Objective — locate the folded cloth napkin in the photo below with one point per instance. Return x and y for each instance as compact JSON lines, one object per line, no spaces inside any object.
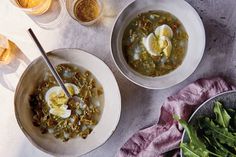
{"x":162,"y":139}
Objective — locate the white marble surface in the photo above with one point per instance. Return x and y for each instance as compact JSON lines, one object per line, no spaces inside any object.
{"x":140,"y":107}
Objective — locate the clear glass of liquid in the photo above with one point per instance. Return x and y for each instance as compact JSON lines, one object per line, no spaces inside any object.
{"x":12,"y":63}
{"x":5,"y":50}
{"x":47,"y":14}
{"x":86,"y":12}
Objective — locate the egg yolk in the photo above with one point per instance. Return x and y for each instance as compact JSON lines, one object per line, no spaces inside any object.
{"x":163,"y":44}
{"x":165,"y":32}
{"x":159,"y":42}
{"x":155,"y":45}
{"x":58,"y":99}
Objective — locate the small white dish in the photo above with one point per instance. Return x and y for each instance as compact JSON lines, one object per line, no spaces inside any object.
{"x":196,"y":43}
{"x":76,"y":146}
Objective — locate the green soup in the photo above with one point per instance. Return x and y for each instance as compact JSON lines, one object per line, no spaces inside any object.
{"x":138,"y":56}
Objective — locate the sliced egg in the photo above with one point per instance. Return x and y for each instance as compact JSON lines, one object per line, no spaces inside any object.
{"x":61,"y":111}
{"x":56,"y":99}
{"x":164,"y":30}
{"x":152,"y":45}
{"x":166,"y":45}
{"x":159,"y":42}
{"x":55,"y":96}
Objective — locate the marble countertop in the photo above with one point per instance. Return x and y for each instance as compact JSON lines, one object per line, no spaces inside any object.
{"x":140,"y":107}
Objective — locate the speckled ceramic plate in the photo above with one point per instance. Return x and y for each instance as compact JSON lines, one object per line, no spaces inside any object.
{"x":228,"y":99}
{"x":76,"y":146}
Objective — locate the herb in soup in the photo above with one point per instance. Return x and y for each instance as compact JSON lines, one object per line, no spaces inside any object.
{"x":154,"y":43}
{"x":52,"y":112}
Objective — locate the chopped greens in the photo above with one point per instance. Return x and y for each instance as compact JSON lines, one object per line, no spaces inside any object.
{"x":211,"y":137}
{"x":138,"y":57}
{"x":83,"y":116}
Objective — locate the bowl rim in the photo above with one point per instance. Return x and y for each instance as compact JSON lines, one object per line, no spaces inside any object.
{"x":148,"y":86}
{"x":198,"y":108}
{"x":17,"y":114}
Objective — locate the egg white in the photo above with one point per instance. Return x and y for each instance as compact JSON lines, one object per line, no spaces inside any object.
{"x":164,"y":30}
{"x":62,"y":110}
{"x":58,"y":89}
{"x":147,"y":42}
{"x":162,"y":37}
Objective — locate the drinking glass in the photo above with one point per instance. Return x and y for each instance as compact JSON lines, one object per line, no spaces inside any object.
{"x":74,"y":8}
{"x":12,"y":63}
{"x":47,"y":14}
{"x":5,"y":50}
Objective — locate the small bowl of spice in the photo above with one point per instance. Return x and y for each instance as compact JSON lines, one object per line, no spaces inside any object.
{"x":86,"y":12}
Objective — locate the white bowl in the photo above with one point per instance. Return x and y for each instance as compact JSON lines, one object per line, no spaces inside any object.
{"x":196,"y":43}
{"x":77,"y":146}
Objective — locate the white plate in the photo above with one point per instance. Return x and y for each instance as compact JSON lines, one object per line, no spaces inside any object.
{"x":110,"y":115}
{"x":196,"y":43}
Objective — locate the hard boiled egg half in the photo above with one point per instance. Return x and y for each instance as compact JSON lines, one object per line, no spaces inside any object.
{"x":57,"y":100}
{"x":159,"y":41}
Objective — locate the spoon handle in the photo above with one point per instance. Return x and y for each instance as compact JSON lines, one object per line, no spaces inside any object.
{"x":52,"y":69}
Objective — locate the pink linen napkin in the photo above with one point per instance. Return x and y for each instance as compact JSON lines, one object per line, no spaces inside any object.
{"x":162,"y":139}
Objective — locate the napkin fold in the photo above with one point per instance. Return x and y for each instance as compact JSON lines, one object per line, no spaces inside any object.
{"x":163,"y":138}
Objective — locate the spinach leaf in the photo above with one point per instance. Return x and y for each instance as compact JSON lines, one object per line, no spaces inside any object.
{"x":222,"y":117}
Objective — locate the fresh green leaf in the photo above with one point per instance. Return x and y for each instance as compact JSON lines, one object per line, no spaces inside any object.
{"x":221,"y":149}
{"x":211,"y":137}
{"x":222,"y":117}
{"x":222,"y":134}
{"x":230,"y":111}
{"x":196,"y":148}
{"x":191,"y":150}
{"x":216,"y":147}
{"x":213,"y":147}
{"x":191,"y":132}
{"x":232,"y":123}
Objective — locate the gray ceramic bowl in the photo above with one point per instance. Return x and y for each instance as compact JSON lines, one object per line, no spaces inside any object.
{"x":228,"y":99}
{"x":35,"y":73}
{"x":196,"y":44}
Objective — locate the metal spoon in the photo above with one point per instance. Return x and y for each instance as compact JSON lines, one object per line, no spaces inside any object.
{"x":49,"y":64}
